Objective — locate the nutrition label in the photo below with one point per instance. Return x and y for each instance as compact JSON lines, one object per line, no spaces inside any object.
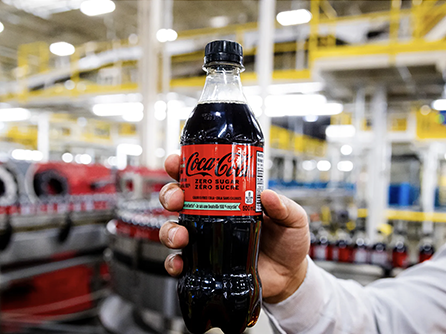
{"x":221,"y":179}
{"x":259,"y":181}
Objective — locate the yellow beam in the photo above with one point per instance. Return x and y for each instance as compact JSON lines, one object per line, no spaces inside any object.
{"x":408,"y":215}
{"x":413,"y":216}
{"x":381,"y":15}
{"x":395,"y":20}
{"x":217,"y":31}
{"x":328,"y":9}
{"x":314,"y":30}
{"x":375,"y":49}
{"x":247,"y":77}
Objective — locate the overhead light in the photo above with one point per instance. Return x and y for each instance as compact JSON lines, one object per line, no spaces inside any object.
{"x":296,"y":101}
{"x":301,"y":105}
{"x":309,"y":165}
{"x":82,"y":122}
{"x":130,"y":149}
{"x":439,"y":104}
{"x":293,"y":17}
{"x":2,"y":27}
{"x":97,"y":7}
{"x":133,"y":39}
{"x":44,"y":8}
{"x":323,"y":165}
{"x":219,"y":21}
{"x":329,"y":109}
{"x":112,"y":161}
{"x":133,"y":115}
{"x":425,"y":110}
{"x":27,"y":155}
{"x":340,"y":131}
{"x":117,"y":98}
{"x":67,"y":157}
{"x":345,"y":166}
{"x":70,"y":84}
{"x":288,"y":88}
{"x":36,"y":155}
{"x":346,"y":149}
{"x":85,"y":159}
{"x":166,"y":35}
{"x":130,"y":111}
{"x":62,"y":49}
{"x":311,"y":118}
{"x":14,"y":114}
{"x":108,"y":109}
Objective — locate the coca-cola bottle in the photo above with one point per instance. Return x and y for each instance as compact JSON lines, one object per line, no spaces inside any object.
{"x":361,"y":247}
{"x":321,"y":248}
{"x":378,"y":254}
{"x":426,"y":248}
{"x":400,"y":256}
{"x":221,"y":174}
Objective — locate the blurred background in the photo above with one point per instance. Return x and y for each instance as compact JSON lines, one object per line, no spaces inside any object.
{"x":93,"y":97}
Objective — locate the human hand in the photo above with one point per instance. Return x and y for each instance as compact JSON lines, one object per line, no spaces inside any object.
{"x":284,"y":239}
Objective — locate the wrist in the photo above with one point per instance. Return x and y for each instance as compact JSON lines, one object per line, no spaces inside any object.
{"x":294,"y":282}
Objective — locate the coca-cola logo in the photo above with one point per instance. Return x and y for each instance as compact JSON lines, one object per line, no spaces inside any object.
{"x":231,"y":164}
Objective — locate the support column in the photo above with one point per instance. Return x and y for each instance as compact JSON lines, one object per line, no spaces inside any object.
{"x":149,"y":23}
{"x":429,"y":183}
{"x":336,"y":176}
{"x":43,"y":135}
{"x":300,"y":49}
{"x":379,"y":165}
{"x":264,"y":69}
{"x":170,"y":125}
{"x":358,"y":121}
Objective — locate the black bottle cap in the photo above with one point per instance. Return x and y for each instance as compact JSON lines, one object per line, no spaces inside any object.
{"x":223,"y":51}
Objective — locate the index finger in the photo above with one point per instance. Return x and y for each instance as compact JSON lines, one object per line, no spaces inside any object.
{"x":172,"y":166}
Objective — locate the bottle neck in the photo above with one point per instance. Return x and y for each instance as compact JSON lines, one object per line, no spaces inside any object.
{"x":223,"y":84}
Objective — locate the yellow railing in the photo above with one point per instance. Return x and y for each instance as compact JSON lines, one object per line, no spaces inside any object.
{"x":35,"y":59}
{"x":423,"y":17}
{"x":409,"y":215}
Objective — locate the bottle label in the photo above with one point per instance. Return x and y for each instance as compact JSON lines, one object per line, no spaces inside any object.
{"x":221,"y":180}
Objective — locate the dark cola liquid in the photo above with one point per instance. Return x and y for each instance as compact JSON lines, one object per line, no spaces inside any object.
{"x":220,"y":286}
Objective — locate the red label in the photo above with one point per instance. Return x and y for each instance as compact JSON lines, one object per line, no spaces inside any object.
{"x":221,"y":180}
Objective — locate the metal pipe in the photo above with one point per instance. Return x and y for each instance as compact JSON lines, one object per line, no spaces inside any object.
{"x":379,"y":164}
{"x":149,"y":24}
{"x":264,"y":69}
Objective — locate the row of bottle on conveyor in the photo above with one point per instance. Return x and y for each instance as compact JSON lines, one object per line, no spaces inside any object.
{"x":347,"y":245}
{"x":60,"y":204}
{"x":141,"y":219}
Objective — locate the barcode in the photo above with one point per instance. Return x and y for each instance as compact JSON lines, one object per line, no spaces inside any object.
{"x":259,"y":181}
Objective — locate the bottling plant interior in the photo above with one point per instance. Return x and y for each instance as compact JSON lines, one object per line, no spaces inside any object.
{"x":95,"y":95}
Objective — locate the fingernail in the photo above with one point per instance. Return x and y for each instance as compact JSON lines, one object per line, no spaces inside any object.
{"x":281,"y":201}
{"x":169,"y":262}
{"x":171,"y":234}
{"x":170,"y":259}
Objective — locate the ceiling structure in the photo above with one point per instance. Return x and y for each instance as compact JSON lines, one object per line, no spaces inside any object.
{"x":39,"y":20}
{"x":61,"y":20}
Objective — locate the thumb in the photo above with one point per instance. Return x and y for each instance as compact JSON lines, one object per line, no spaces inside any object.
{"x":282,"y":210}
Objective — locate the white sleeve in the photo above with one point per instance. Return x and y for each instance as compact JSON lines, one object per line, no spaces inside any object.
{"x":414,"y":302}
